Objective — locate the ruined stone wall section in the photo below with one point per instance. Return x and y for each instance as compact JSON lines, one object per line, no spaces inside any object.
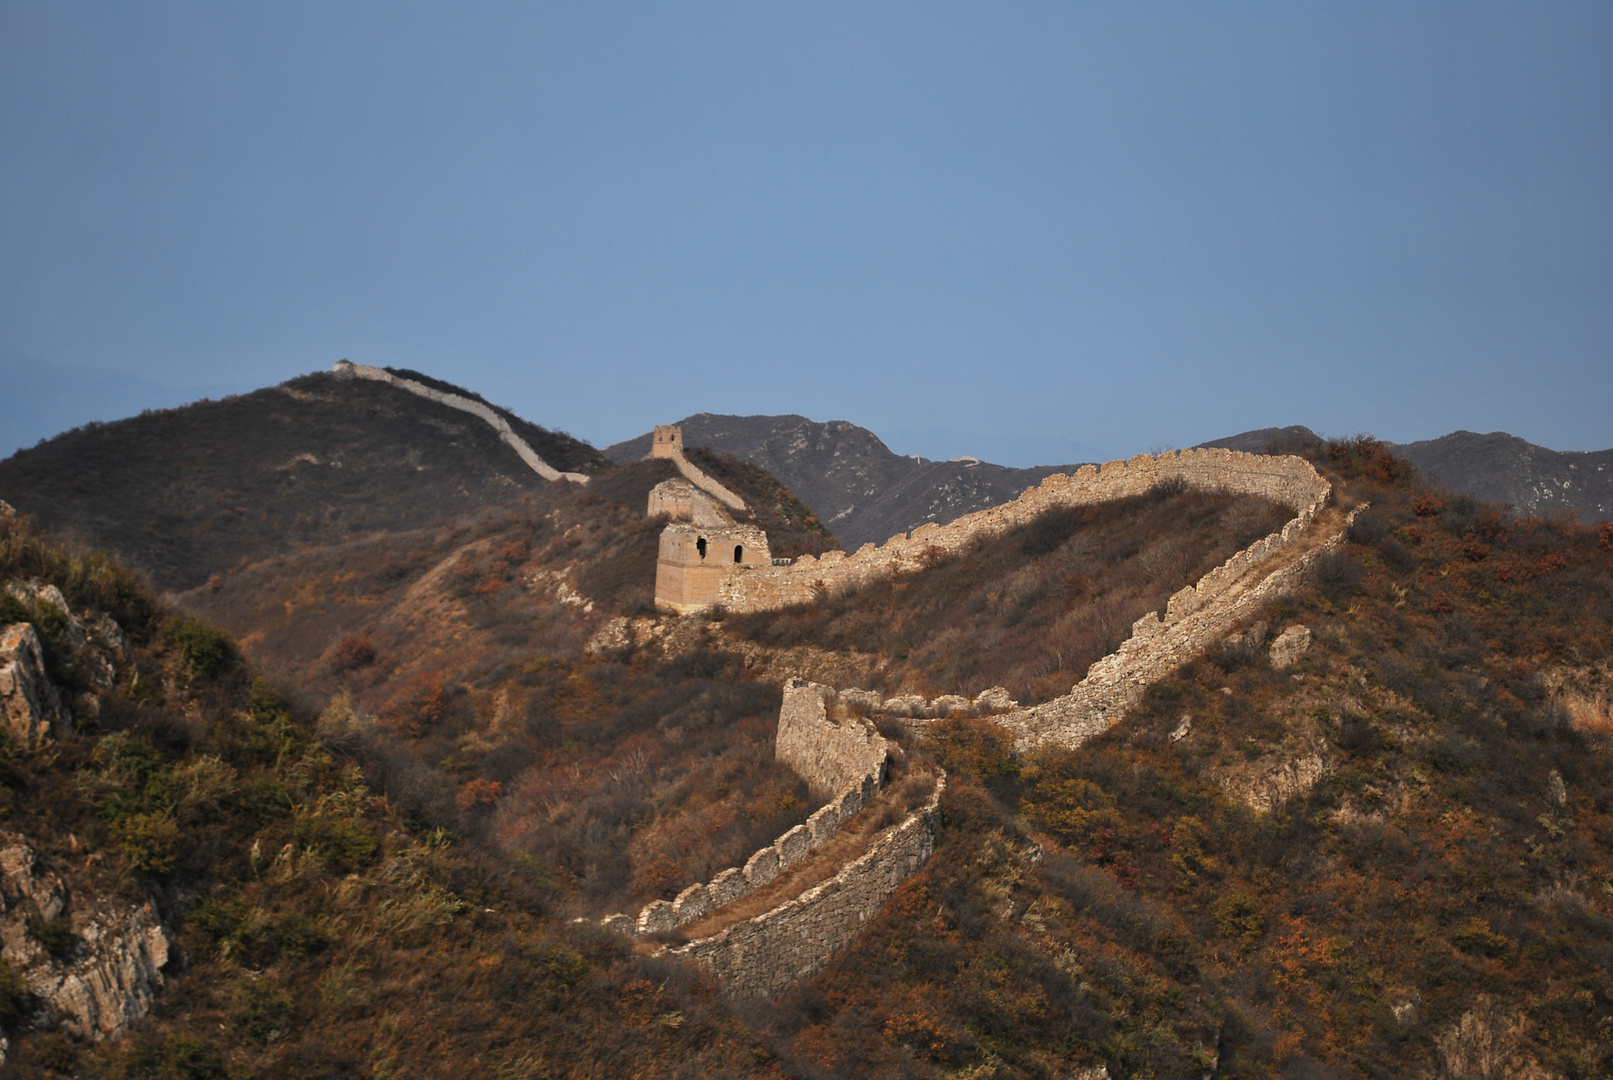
{"x":844,"y":763}
{"x":797,"y":939}
{"x":1154,"y":650}
{"x":831,"y":755}
{"x":693,"y":473}
{"x":1291,"y":481}
{"x":349,"y":370}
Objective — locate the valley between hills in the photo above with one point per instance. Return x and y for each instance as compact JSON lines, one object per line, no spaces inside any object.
{"x":341,"y":742}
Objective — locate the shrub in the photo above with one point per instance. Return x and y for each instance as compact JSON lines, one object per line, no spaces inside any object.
{"x":54,"y":935}
{"x":14,"y":1008}
{"x":1238,"y":918}
{"x":207,"y":651}
{"x":262,"y":1012}
{"x":352,"y":653}
{"x":148,"y":842}
{"x":340,"y":844}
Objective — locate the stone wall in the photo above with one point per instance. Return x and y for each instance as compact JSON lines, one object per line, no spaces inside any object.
{"x":830,"y":753}
{"x":794,"y":941}
{"x":346,"y":369}
{"x":694,"y":558}
{"x":1291,"y":481}
{"x":847,"y":765}
{"x":1158,"y":647}
{"x":667,"y":442}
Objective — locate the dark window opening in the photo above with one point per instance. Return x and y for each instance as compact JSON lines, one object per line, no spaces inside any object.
{"x":739,"y":551}
{"x":700,"y":546}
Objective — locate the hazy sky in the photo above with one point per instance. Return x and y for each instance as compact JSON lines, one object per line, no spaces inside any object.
{"x":1030,"y":233}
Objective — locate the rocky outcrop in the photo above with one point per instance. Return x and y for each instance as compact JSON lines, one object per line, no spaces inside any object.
{"x":1290,"y":645}
{"x":1489,"y":1042}
{"x":29,"y":703}
{"x":94,"y":645}
{"x":100,"y":969}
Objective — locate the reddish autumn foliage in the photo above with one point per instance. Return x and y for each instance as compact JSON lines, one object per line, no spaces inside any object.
{"x":352,"y":653}
{"x":419,"y":705}
{"x":479,"y":793}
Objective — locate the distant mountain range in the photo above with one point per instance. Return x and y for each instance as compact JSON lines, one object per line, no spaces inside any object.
{"x":865,"y":492}
{"x":857,"y":485}
{"x":1500,"y":467}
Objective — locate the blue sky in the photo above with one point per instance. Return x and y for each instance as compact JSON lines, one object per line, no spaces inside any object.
{"x":1029,"y":233}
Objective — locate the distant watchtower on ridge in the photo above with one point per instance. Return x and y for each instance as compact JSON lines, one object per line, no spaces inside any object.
{"x":703,"y":544}
{"x":667,"y":441}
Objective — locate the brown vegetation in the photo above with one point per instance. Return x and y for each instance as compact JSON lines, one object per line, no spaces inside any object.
{"x":1033,"y":608}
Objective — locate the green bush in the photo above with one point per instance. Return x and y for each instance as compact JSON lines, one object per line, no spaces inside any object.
{"x":13,"y":996}
{"x":262,"y":1013}
{"x":54,"y":935}
{"x":1239,"y":918}
{"x":341,"y":844}
{"x":148,"y":842}
{"x":208,"y":651}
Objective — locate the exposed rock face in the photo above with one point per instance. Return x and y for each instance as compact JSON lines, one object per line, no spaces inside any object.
{"x":1273,"y":779}
{"x":105,"y":979}
{"x":1489,"y":1043}
{"x":1290,"y":645}
{"x":28,"y":701}
{"x":95,"y":642}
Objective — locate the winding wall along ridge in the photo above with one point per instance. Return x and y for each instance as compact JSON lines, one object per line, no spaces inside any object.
{"x":709,"y":484}
{"x":843,"y":762}
{"x":1292,"y":481}
{"x":794,"y":941}
{"x":1154,"y":650}
{"x":346,"y":369}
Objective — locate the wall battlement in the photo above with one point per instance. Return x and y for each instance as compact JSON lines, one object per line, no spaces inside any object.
{"x":1291,"y":481}
{"x":847,"y":765}
{"x":795,"y":940}
{"x":346,"y":369}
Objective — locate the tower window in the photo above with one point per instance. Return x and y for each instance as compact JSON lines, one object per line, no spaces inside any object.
{"x":739,"y":552}
{"x":700,"y":546}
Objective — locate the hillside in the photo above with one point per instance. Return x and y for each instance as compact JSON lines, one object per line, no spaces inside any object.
{"x":1504,"y":468}
{"x":361,"y":823}
{"x":852,"y":481}
{"x":183,"y":494}
{"x":1390,"y":857}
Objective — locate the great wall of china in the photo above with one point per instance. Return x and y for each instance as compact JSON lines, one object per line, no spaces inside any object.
{"x":346,"y":369}
{"x":844,"y":759}
{"x":1291,"y":481}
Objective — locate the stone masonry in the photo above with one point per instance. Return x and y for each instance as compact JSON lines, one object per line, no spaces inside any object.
{"x":1291,"y":481}
{"x":830,"y":753}
{"x":847,"y":764}
{"x":346,"y":369}
{"x":794,"y":941}
{"x":667,"y":442}
{"x":1156,"y":648}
